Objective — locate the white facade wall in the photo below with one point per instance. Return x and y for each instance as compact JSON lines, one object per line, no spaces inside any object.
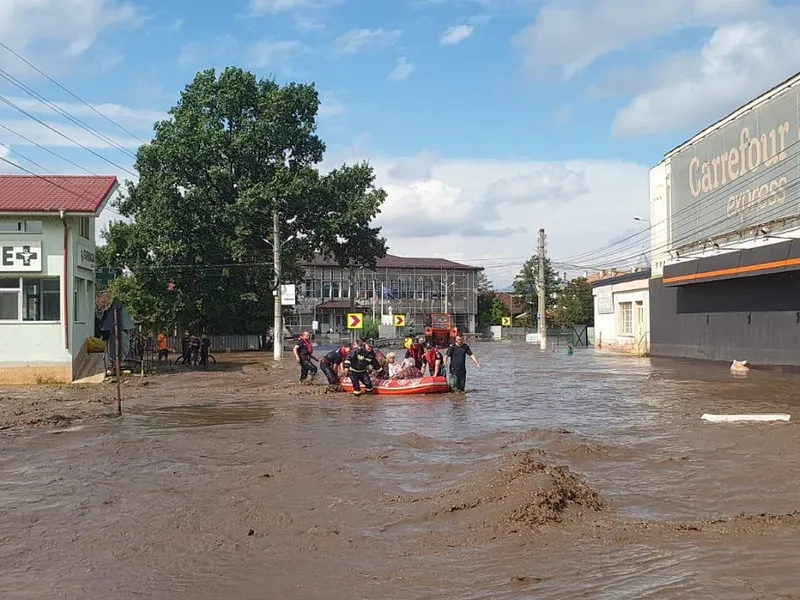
{"x":613,"y":331}
{"x":32,"y":350}
{"x":659,"y":218}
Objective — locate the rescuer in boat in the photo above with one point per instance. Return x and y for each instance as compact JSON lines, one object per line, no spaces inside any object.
{"x":331,"y":364}
{"x":432,"y":360}
{"x":304,"y":354}
{"x":355,"y":365}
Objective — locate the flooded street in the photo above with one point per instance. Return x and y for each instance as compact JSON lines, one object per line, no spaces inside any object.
{"x":221,"y":487}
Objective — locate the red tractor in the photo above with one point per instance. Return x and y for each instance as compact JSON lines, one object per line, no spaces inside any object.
{"x":440,"y":330}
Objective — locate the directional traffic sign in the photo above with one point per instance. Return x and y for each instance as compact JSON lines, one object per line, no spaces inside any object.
{"x":399,"y":320}
{"x":506,"y":321}
{"x":355,"y":321}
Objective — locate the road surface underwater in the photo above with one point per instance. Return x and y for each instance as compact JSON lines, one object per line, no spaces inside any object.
{"x":556,"y":476}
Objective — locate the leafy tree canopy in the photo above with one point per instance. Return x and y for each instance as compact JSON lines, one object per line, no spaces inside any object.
{"x":234,"y":149}
{"x":575,"y":304}
{"x":526,"y":286}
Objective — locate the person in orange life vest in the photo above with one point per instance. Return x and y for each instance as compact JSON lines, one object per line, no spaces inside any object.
{"x":433,"y":360}
{"x":416,"y":352}
{"x":331,"y":364}
{"x":304,"y":354}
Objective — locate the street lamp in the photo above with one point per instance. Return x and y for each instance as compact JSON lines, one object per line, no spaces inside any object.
{"x":638,"y":218}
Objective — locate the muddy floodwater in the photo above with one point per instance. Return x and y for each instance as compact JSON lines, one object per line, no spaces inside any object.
{"x":556,"y":476}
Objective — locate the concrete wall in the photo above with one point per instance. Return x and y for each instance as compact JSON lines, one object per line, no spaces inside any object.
{"x":31,"y":351}
{"x":659,"y":217}
{"x":607,"y":331}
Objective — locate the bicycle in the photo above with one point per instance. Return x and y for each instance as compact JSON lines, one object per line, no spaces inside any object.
{"x":181,"y":360}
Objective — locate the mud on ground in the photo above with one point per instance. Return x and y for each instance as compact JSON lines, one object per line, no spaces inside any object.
{"x":49,"y":405}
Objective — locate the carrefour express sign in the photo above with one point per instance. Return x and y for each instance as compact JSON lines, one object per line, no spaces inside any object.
{"x":743,"y":175}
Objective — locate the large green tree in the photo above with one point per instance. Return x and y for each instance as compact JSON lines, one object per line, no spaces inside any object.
{"x":575,"y":304}
{"x":485,"y":299}
{"x":233,"y":150}
{"x":526,"y":287}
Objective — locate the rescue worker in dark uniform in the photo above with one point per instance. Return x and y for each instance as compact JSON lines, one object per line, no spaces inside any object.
{"x":205,"y":345}
{"x":329,"y":364}
{"x":186,"y":349}
{"x":304,"y":353}
{"x":355,"y":365}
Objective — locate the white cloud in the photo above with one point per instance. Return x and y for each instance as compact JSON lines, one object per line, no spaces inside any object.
{"x":58,"y":29}
{"x":570,"y":35}
{"x":39,"y":134}
{"x":402,"y":70}
{"x":261,"y":7}
{"x":736,"y":64}
{"x":356,"y":40}
{"x":488,"y":211}
{"x":456,"y":34}
{"x":126,"y":116}
{"x":176,"y":25}
{"x":268,"y":53}
{"x":330,"y":106}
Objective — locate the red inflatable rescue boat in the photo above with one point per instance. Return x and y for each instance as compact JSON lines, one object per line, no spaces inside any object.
{"x":404,"y":387}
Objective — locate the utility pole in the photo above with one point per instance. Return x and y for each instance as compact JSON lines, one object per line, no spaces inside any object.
{"x":277,"y":343}
{"x":542,"y":292}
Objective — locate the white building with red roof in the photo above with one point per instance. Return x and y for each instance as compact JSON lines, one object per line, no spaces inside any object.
{"x":47,"y":272}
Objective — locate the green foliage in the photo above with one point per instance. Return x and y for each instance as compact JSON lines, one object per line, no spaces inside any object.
{"x":526,"y":287}
{"x":371,"y":328}
{"x":234,"y":149}
{"x":497,"y":311}
{"x":485,"y":300}
{"x":575,"y":304}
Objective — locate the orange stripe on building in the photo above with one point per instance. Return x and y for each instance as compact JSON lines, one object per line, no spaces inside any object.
{"x":778,"y":264}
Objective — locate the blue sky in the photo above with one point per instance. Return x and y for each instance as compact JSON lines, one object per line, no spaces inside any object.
{"x":485,"y":119}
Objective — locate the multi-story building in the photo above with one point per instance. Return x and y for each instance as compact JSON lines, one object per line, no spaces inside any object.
{"x":414,"y":287}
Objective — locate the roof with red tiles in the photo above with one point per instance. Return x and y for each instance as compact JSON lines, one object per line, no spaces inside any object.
{"x":54,"y":193}
{"x":402,"y":262}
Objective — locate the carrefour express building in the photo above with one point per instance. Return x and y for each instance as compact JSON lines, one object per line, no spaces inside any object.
{"x":725,"y":237}
{"x":47,"y":266}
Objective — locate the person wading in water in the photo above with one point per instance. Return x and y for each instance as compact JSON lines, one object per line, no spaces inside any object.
{"x":355,"y":365}
{"x":457,"y":358}
{"x":433,"y":360}
{"x":330,"y":365}
{"x":304,"y":354}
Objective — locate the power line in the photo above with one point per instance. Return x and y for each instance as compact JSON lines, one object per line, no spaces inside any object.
{"x":60,"y":111}
{"x":75,"y":96}
{"x":65,"y":136}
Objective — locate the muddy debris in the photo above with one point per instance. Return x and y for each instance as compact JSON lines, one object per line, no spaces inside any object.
{"x":523,"y":493}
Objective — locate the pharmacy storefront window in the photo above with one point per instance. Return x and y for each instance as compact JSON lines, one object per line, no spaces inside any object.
{"x":27,"y":299}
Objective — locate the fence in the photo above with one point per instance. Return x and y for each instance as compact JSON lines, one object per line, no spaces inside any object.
{"x":578,"y":336}
{"x":225,"y":343}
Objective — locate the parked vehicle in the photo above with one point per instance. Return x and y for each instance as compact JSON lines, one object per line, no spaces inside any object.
{"x":440,"y":330}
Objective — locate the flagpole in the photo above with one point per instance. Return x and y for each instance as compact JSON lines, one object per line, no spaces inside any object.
{"x":382,"y":302}
{"x":373,"y":297}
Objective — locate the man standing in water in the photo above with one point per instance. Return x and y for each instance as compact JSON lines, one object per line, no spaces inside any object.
{"x":304,"y":353}
{"x":457,"y":359}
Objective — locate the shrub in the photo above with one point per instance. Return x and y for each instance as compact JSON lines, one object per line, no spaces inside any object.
{"x":94,"y":344}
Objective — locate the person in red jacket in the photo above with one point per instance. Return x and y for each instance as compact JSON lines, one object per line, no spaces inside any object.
{"x":304,"y":354}
{"x":433,"y":361}
{"x":417,"y":352}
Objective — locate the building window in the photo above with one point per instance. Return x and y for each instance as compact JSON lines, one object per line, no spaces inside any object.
{"x":326,"y":290}
{"x":20,"y":226}
{"x":626,"y":318}
{"x":9,"y":299}
{"x":83,"y":227}
{"x":334,"y":289}
{"x":346,"y":289}
{"x":77,"y":300}
{"x":30,"y":299}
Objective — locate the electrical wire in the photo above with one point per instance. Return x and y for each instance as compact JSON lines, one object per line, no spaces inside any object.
{"x":63,"y":88}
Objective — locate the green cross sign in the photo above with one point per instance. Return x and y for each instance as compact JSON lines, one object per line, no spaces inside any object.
{"x":105,"y":276}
